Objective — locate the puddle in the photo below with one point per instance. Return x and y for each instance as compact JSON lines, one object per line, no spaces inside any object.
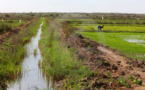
{"x":134,"y":40}
{"x":137,"y":41}
{"x":32,"y":77}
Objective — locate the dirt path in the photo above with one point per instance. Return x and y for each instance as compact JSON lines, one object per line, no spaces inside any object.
{"x":111,"y":56}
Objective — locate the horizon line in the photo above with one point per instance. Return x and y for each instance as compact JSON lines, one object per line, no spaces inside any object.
{"x":75,"y":12}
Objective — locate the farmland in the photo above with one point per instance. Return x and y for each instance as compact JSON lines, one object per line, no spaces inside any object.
{"x":66,"y":51}
{"x":116,"y":28}
{"x":123,"y":37}
{"x":130,"y":44}
{"x":126,"y":36}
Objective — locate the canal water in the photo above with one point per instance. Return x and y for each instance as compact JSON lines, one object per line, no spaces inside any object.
{"x":32,"y":77}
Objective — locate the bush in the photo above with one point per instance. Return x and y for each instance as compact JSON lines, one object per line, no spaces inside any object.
{"x":67,"y":28}
{"x":131,"y":78}
{"x":90,"y":28}
{"x":138,"y":81}
{"x":122,"y":81}
{"x":4,"y":28}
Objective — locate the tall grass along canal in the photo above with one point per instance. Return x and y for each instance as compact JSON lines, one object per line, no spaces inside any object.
{"x":32,"y":77}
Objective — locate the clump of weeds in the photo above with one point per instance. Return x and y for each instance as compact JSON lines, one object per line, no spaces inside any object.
{"x":35,"y":52}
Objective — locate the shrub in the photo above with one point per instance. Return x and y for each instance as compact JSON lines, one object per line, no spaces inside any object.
{"x":68,"y":46}
{"x":67,"y":29}
{"x":131,"y":78}
{"x":90,"y":28}
{"x":127,"y":85}
{"x":78,"y":35}
{"x":108,"y":74}
{"x":4,"y":28}
{"x":122,"y":81}
{"x":137,"y":81}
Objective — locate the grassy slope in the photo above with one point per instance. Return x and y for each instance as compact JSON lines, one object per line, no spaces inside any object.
{"x":12,"y":52}
{"x":58,"y":61}
{"x":116,"y":41}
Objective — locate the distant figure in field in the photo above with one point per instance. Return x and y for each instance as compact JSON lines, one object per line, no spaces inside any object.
{"x":102,"y":18}
{"x":100,"y":27}
{"x":20,"y":21}
{"x":2,"y":20}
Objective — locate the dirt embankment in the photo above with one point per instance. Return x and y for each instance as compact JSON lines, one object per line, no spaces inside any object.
{"x":15,"y":30}
{"x":110,"y":66}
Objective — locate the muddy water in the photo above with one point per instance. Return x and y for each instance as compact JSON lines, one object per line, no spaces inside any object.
{"x":32,"y":77}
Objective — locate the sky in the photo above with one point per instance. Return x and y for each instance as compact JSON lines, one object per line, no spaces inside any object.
{"x":105,"y":6}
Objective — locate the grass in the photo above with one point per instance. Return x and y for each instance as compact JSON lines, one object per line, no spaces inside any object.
{"x":13,"y":23}
{"x":124,"y":28}
{"x":4,"y":28}
{"x":115,"y":34}
{"x":108,"y":28}
{"x":12,"y":52}
{"x":117,"y":41}
{"x":107,"y":22}
{"x":9,"y":25}
{"x":58,"y":61}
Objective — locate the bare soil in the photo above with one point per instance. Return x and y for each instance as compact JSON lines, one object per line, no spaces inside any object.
{"x":104,"y":60}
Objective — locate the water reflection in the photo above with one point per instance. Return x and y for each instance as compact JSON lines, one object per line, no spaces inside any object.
{"x":32,"y":76}
{"x":137,"y":41}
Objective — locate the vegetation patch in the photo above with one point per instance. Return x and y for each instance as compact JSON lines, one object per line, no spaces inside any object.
{"x":110,"y":28}
{"x":4,"y":28}
{"x":58,"y":61}
{"x":12,"y":52}
{"x":35,"y":52}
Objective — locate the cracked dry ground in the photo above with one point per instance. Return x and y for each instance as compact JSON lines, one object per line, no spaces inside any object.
{"x":108,"y":64}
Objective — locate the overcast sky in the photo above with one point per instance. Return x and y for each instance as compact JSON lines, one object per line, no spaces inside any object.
{"x":119,"y":6}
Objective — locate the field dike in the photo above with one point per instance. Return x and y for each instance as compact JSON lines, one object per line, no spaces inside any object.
{"x":15,"y":30}
{"x":113,"y":71}
{"x":58,"y":62}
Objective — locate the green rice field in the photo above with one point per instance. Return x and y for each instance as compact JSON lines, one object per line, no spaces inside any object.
{"x":130,"y":44}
